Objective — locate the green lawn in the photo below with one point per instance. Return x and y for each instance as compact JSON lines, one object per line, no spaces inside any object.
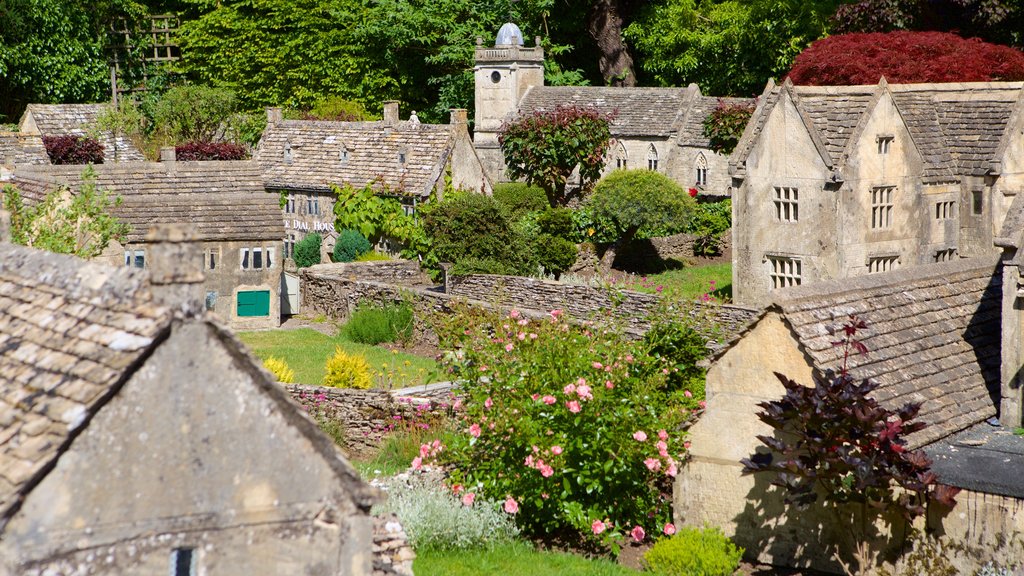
{"x":689,"y":282}
{"x":306,"y":351}
{"x":511,"y":560}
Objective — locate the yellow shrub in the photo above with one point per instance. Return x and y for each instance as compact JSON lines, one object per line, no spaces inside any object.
{"x":279,"y":368}
{"x":347,"y":371}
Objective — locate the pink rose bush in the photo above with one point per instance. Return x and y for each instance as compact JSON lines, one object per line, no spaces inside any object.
{"x":560,"y":427}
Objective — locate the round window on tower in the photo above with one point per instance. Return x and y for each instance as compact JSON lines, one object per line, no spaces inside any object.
{"x":495,"y":76}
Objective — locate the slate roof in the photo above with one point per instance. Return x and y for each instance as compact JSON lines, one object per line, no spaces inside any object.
{"x":69,"y":332}
{"x":691,"y":129}
{"x":22,"y":149}
{"x":79,"y":120}
{"x":318,"y":148}
{"x":933,"y":337}
{"x":654,"y":112}
{"x":983,"y":458}
{"x":957,"y":127}
{"x":224,"y":200}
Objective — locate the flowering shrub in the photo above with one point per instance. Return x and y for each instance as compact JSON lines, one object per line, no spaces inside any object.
{"x":73,"y":150}
{"x":279,"y":368}
{"x":574,"y":427}
{"x":725,"y":124}
{"x":191,"y":151}
{"x":347,"y":371}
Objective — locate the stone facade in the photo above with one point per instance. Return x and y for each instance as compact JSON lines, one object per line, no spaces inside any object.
{"x":160,"y":445}
{"x":835,"y":182}
{"x":654,"y":128}
{"x":302,"y":159}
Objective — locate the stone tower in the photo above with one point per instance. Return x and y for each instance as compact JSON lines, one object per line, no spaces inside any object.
{"x":502,"y":75}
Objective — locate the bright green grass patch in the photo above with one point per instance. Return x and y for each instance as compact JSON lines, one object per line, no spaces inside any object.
{"x":519,"y":558}
{"x":306,"y":351}
{"x":689,"y":282}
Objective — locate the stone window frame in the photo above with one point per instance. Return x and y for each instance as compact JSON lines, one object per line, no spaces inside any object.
{"x":135,"y":258}
{"x":945,"y":210}
{"x":702,"y":170}
{"x":288,"y":156}
{"x":784,"y":270}
{"x":343,"y":154}
{"x":289,"y":204}
{"x":977,"y":202}
{"x":946,"y":255}
{"x":211,"y":257}
{"x":882,"y":207}
{"x":884,"y":142}
{"x":266,"y":258}
{"x":883,"y":263}
{"x":621,"y":157}
{"x":403,"y":156}
{"x":652,"y":157}
{"x":183,"y":562}
{"x":787,"y":203}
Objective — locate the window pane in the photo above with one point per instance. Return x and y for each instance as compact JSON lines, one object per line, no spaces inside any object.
{"x":140,"y":259}
{"x":245,"y":257}
{"x":270,"y":257}
{"x":257,"y":258}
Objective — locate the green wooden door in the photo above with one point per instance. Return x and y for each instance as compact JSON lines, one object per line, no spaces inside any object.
{"x":254,"y":303}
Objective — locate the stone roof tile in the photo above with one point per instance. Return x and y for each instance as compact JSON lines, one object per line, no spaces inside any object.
{"x":80,"y":120}
{"x":22,"y":149}
{"x":312,"y":155}
{"x":691,"y":132}
{"x":638,"y":111}
{"x":933,"y":336}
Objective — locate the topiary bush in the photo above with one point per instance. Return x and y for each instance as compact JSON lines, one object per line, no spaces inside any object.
{"x":307,"y":251}
{"x":73,"y":150}
{"x":377,"y":324}
{"x":555,"y":254}
{"x":556,"y":222}
{"x":345,"y":370}
{"x":519,"y":199}
{"x":693,"y":552}
{"x":193,"y":151}
{"x":467,"y":226}
{"x":350,"y":246}
{"x":279,"y":368}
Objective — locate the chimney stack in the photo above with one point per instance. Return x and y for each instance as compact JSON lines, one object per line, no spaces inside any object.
{"x":274,"y":115}
{"x":175,"y":267}
{"x":391,"y":113}
{"x":167,"y":154}
{"x":5,"y":226}
{"x":459,"y":117}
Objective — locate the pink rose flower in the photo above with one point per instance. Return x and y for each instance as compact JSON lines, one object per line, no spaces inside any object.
{"x":687,"y":393}
{"x":653,"y":464}
{"x":662,"y":448}
{"x":528,"y":462}
{"x":549,"y":400}
{"x":511,"y":506}
{"x":584,"y":392}
{"x":669,"y":529}
{"x":573,"y":406}
{"x":546,"y":471}
{"x":662,"y":435}
{"x":509,"y":347}
{"x":555,"y":314}
{"x":702,"y":404}
{"x":609,"y":384}
{"x":569,"y":389}
{"x":629,"y":357}
{"x":488,"y":403}
{"x":533,"y":336}
{"x":598,"y":365}
{"x":417,"y":463}
{"x":640,"y":436}
{"x":672,"y":469}
{"x":468,"y":498}
{"x":457,"y":488}
{"x":597,"y":527}
{"x":474,"y":430}
{"x":514,"y":313}
{"x":424,"y":450}
{"x":556,"y":450}
{"x":521,"y":336}
{"x":638,"y":534}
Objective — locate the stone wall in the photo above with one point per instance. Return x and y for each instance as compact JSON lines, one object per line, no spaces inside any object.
{"x":392,"y":554}
{"x":398,"y":272}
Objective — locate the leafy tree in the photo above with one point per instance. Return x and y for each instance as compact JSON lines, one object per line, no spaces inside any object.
{"x":905,"y":57}
{"x":473,"y":232}
{"x":545,"y":148}
{"x":77,"y":223}
{"x":377,"y":216}
{"x":191,"y":113}
{"x":307,"y":251}
{"x":999,"y":21}
{"x":125,"y":120}
{"x":635,"y":199}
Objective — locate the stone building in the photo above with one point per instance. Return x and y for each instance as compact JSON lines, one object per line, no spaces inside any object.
{"x":835,"y":182}
{"x":138,"y":436}
{"x":933,"y":337}
{"x":654,"y":128}
{"x":302,"y":159}
{"x":78,"y":120}
{"x":238,"y":222}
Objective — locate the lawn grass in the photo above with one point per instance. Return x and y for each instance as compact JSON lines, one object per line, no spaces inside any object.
{"x":306,"y":351}
{"x":513,"y":559}
{"x":689,"y":282}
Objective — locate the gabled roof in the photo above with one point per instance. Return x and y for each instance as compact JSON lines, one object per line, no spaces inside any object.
{"x":655,"y":112}
{"x":22,"y":149}
{"x":313,"y":155}
{"x":933,"y":337}
{"x":78,"y":120}
{"x":691,"y":128}
{"x":224,"y":200}
{"x":72,"y":333}
{"x":959,"y":128}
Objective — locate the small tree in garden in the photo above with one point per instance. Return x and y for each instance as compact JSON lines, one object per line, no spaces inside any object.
{"x":307,"y":251}
{"x":836,"y":442}
{"x":635,"y":199}
{"x":725,"y":124}
{"x":904,"y":57}
{"x":544,"y":148}
{"x":193,"y":113}
{"x":474,"y":232}
{"x":376,"y":217}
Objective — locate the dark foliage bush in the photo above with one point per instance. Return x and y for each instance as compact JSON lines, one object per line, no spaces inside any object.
{"x":555,"y":254}
{"x":556,"y":222}
{"x":350,"y":245}
{"x":73,"y":150}
{"x":468,"y":226}
{"x":191,"y":151}
{"x":307,"y":251}
{"x":519,"y":199}
{"x":904,"y":57}
{"x":378,"y":324}
{"x":725,"y":124}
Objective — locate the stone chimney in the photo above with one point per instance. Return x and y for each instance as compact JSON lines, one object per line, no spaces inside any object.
{"x":391,"y":113}
{"x":459,"y":117}
{"x":274,"y":115}
{"x":175,"y":268}
{"x":167,"y":154}
{"x":5,"y":226}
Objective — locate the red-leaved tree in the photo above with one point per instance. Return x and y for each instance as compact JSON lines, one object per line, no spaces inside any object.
{"x":904,"y":58}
